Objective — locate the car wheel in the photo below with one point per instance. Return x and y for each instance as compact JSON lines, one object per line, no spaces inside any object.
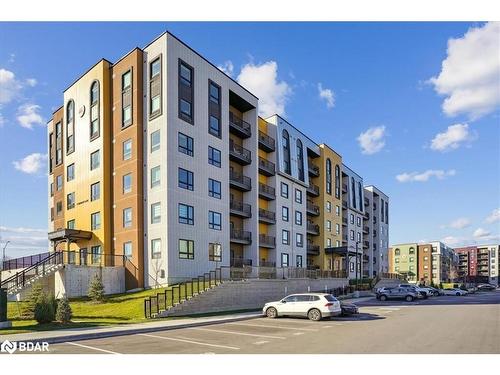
{"x":314,"y":314}
{"x":272,"y":313}
{"x":409,"y":298}
{"x":425,"y":295}
{"x":457,"y":293}
{"x":383,"y":298}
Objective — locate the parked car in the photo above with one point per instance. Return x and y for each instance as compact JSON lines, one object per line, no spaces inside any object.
{"x":454,"y":292}
{"x":472,"y":289}
{"x":486,"y":287}
{"x":348,"y":308}
{"x":314,"y":306}
{"x":424,"y":291}
{"x":434,"y":291}
{"x":408,"y":294}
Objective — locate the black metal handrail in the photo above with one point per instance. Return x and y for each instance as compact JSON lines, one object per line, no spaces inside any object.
{"x":313,"y":189}
{"x":27,"y":261}
{"x":240,"y":206}
{"x":313,"y":168}
{"x":240,"y":178}
{"x":266,"y":189}
{"x":267,"y":140}
{"x":240,"y":151}
{"x":267,"y":165}
{"x":311,"y":207}
{"x":264,"y":239}
{"x":239,"y":123}
{"x":240,"y":234}
{"x":266,"y":214}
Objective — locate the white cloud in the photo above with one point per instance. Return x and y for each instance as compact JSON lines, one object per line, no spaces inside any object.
{"x":459,"y":223}
{"x":469,"y":241}
{"x":494,"y":216}
{"x":31,"y":82}
{"x":372,"y":140}
{"x":31,"y":164}
{"x":262,"y":80}
{"x":10,"y":87}
{"x":480,"y":233}
{"x":22,"y":230}
{"x":452,"y":138}
{"x":327,"y":95}
{"x":227,"y":67}
{"x":12,"y":58}
{"x":452,"y":240}
{"x":27,"y":116}
{"x":470,"y":73}
{"x":425,"y":176}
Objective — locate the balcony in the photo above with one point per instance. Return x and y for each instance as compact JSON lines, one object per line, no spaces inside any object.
{"x":366,"y":216}
{"x":266,"y":143}
{"x":374,"y":233}
{"x":313,"y":169}
{"x":313,"y":190}
{"x":240,"y":209}
{"x":313,"y":229}
{"x":239,"y":154}
{"x":367,"y":201}
{"x":344,"y":238}
{"x":267,"y":241}
{"x":312,"y":209}
{"x":266,"y":216}
{"x":239,"y":181}
{"x":344,"y":221}
{"x":366,"y":230}
{"x":240,"y":262}
{"x":239,"y":127}
{"x":344,"y":205}
{"x":241,"y":236}
{"x":266,"y":192}
{"x":312,"y":249}
{"x":266,"y":167}
{"x":366,"y":258}
{"x":344,"y":188}
{"x":366,"y":244}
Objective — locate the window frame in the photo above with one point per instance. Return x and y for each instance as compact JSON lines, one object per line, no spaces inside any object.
{"x":70,"y":124}
{"x":155,"y":219}
{"x":211,"y":160}
{"x":212,"y":222}
{"x":189,"y":218}
{"x":155,"y":79}
{"x":189,"y":184}
{"x":97,"y":104}
{"x":124,"y":153}
{"x":189,"y":254}
{"x":127,"y":91}
{"x":186,"y":150}
{"x":211,"y":192}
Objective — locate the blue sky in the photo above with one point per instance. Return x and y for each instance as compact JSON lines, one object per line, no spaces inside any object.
{"x":362,"y":88}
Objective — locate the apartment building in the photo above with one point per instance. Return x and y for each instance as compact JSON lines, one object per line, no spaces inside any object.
{"x":479,"y":263}
{"x":161,"y":157}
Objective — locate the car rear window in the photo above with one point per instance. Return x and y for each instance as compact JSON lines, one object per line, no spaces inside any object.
{"x":330,"y":298}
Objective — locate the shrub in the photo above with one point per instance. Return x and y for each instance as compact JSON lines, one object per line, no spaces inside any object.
{"x":96,"y":289}
{"x":28,"y":308}
{"x":44,"y":310}
{"x":64,"y":312}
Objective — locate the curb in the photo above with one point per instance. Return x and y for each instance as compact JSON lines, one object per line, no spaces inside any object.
{"x":125,"y":332}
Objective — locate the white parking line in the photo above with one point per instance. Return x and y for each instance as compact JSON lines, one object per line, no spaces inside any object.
{"x":389,"y":308}
{"x":298,"y":333}
{"x":260,"y":342}
{"x":91,"y":347}
{"x":189,"y":341}
{"x":238,"y":333}
{"x":273,"y":326}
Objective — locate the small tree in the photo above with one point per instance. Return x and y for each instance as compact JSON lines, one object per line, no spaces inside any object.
{"x":64,"y":312}
{"x":28,"y":308}
{"x":96,"y":289}
{"x":44,"y":310}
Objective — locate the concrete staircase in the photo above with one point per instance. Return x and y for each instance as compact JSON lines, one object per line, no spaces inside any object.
{"x":49,"y":270}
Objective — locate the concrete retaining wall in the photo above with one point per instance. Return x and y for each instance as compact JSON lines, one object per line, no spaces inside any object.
{"x":249,"y":294}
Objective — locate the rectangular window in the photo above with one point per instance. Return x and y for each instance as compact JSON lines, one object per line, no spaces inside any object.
{"x":185,"y":92}
{"x":298,"y":196}
{"x":186,"y":249}
{"x":337,"y":210}
{"x":214,"y":126}
{"x":358,"y":221}
{"x":284,"y":213}
{"x":284,"y":260}
{"x":299,"y":261}
{"x":95,"y":221}
{"x":328,"y":225}
{"x":155,"y":140}
{"x":328,"y":242}
{"x":70,"y":201}
{"x":215,"y":252}
{"x":127,"y":217}
{"x":186,"y":179}
{"x":156,"y":213}
{"x":284,"y":190}
{"x":70,"y":172}
{"x":337,"y":229}
{"x":214,"y":188}
{"x":58,"y":143}
{"x":59,"y":208}
{"x":155,"y":87}
{"x":214,"y":220}
{"x":351,"y":219}
{"x":214,"y":156}
{"x":358,"y":234}
{"x":126,"y":98}
{"x":127,"y":249}
{"x":298,"y":217}
{"x":59,"y":182}
{"x":155,"y":176}
{"x":95,"y":160}
{"x":299,"y":239}
{"x":95,"y":252}
{"x":95,"y":191}
{"x":186,"y":214}
{"x":214,"y":109}
{"x":127,"y":183}
{"x":186,"y":144}
{"x":285,"y":237}
{"x":156,"y":248}
{"x":71,"y":224}
{"x":328,"y":206}
{"x":51,"y":189}
{"x":351,"y":235}
{"x":127,"y":149}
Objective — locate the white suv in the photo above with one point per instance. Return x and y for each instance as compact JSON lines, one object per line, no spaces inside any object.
{"x":315,"y":306}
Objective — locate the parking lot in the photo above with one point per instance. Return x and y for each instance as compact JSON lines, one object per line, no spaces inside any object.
{"x":445,"y":324}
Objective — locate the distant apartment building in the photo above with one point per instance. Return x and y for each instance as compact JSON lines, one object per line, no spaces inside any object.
{"x":479,"y":263}
{"x":161,"y":158}
{"x":425,"y":263}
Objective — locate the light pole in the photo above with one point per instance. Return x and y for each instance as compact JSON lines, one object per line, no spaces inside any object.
{"x":3,"y":258}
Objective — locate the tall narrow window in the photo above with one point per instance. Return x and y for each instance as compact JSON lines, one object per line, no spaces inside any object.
{"x":337,"y":181}
{"x":155,"y":91}
{"x":286,"y":153}
{"x":51,"y":150}
{"x":300,"y":160}
{"x":185,"y":144}
{"x":186,"y":91}
{"x":329,"y":176}
{"x":70,"y":127}
{"x":94,"y":110}
{"x":214,"y":109}
{"x":127,"y":149}
{"x":127,"y":98}
{"x":58,"y":143}
{"x":382,"y":218}
{"x":360,"y":196}
{"x":155,"y":140}
{"x":353,"y":192}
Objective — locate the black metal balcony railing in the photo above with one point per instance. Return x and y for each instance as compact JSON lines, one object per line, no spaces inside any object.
{"x":312,"y":228}
{"x":266,"y":142}
{"x":241,"y":235}
{"x":366,"y":244}
{"x":240,"y":262}
{"x":240,"y":181}
{"x":313,"y":189}
{"x":344,"y":204}
{"x":241,"y":209}
{"x":366,"y":230}
{"x":239,"y":153}
{"x":312,"y":249}
{"x":239,"y":126}
{"x":267,"y":241}
{"x":365,"y":258}
{"x":266,"y":167}
{"x":266,"y":191}
{"x":344,"y":221}
{"x":267,"y":216}
{"x":313,"y":169}
{"x":374,"y":233}
{"x":312,"y":208}
{"x":367,"y":215}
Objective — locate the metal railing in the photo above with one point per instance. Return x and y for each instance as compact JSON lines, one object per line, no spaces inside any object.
{"x":242,"y":235}
{"x":240,"y":124}
{"x":313,"y":189}
{"x":14,"y":264}
{"x":313,"y":169}
{"x":267,"y":190}
{"x":265,"y":240}
{"x":267,"y":215}
{"x":240,"y":152}
{"x":267,"y":141}
{"x":241,"y":179}
{"x":312,"y":228}
{"x":243,"y":208}
{"x":313,"y":249}
{"x":312,"y":208}
{"x":266,"y":166}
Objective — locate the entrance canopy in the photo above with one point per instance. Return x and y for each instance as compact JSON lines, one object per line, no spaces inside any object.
{"x":73,"y":235}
